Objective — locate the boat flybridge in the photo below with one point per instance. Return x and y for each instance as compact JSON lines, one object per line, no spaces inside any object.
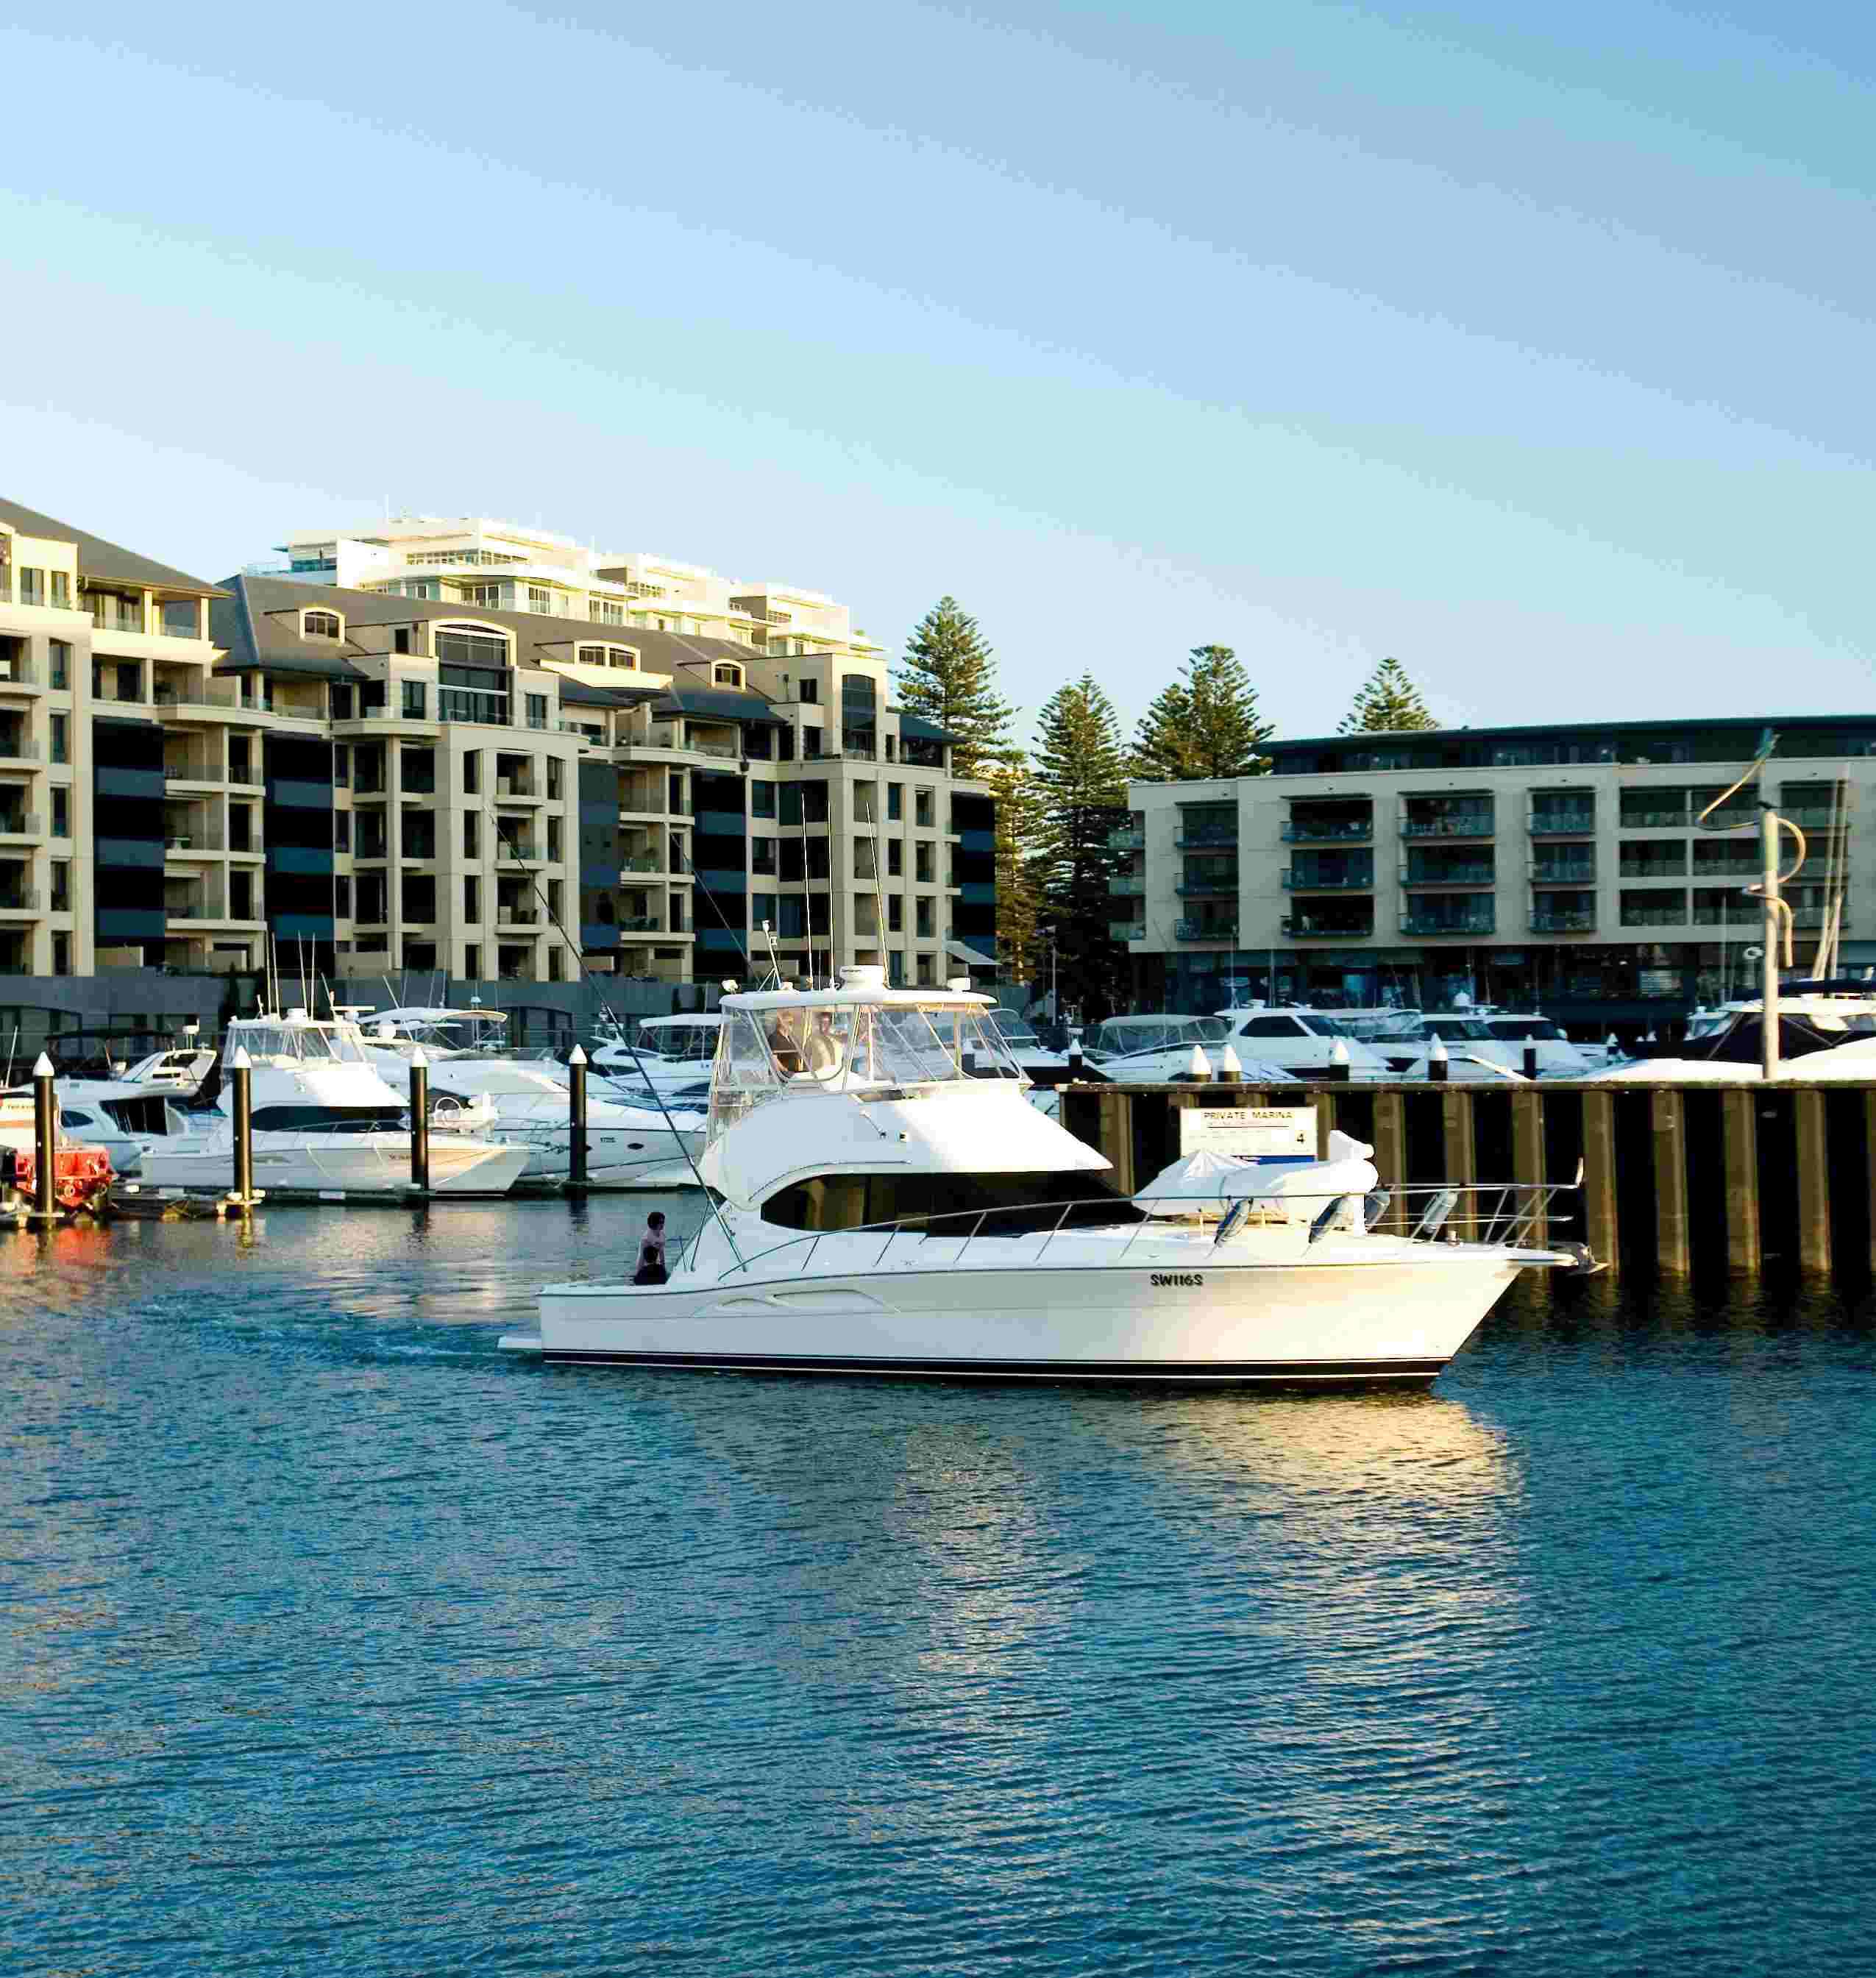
{"x":884,"y":1200}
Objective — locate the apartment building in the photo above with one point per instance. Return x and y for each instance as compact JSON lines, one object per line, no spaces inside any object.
{"x":1556,"y":866}
{"x":498,"y":566}
{"x":98,"y":645}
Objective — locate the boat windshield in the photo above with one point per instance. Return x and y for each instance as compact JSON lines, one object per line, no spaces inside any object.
{"x":680,"y":1043}
{"x":856,"y":1048}
{"x":300,"y":1042}
{"x":1327,"y":1026}
{"x":1458,"y":1029}
{"x":1527,"y":1030}
{"x":1126,"y":1036}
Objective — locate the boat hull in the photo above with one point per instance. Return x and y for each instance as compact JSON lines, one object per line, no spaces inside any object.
{"x":1391,"y":1319}
{"x":340,"y":1163}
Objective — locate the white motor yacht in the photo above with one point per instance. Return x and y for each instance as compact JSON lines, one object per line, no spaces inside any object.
{"x":1157,"y":1050}
{"x":104,"y":1113}
{"x":627,"y":1146}
{"x":878,"y":1209}
{"x":673,"y":1054}
{"x":324,"y":1122}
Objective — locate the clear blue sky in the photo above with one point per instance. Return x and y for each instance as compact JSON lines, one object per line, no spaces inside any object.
{"x":1529,"y":343}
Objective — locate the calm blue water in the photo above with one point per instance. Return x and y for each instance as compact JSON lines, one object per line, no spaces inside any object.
{"x":332,"y":1642}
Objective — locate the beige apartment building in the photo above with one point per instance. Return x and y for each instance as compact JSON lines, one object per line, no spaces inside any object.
{"x":1559,"y":868}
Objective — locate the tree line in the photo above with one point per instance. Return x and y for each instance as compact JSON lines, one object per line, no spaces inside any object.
{"x":1057,"y":805}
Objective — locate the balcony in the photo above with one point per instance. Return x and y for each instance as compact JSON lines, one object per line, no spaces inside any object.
{"x":1666,"y":909}
{"x":1224,"y":887}
{"x":1815,"y":817}
{"x":1329,"y":830}
{"x":523,"y":851}
{"x":20,"y":900}
{"x":1132,"y":838}
{"x":1815,"y":917}
{"x":1667,"y":817}
{"x":1449,"y":824}
{"x":1452,"y":877}
{"x":1348,"y":924}
{"x":1127,"y":886}
{"x":1294,"y":882}
{"x":1124,"y":931}
{"x":20,"y":824}
{"x":1575,"y":920}
{"x":17,"y":746}
{"x":1583,"y":874}
{"x":1212,"y":838}
{"x":517,"y":913}
{"x":1572,"y":821}
{"x":641,"y":861}
{"x":19,"y":672}
{"x":1436,"y":926}
{"x":640,"y":924}
{"x":1206,"y":929}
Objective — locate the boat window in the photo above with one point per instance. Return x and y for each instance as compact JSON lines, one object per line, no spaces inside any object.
{"x":1205,"y":1031}
{"x":1325,"y":1026}
{"x":949,"y":1205}
{"x":66,"y":1118}
{"x":678,"y":1042}
{"x":1270,"y":1026}
{"x":1462,"y":1029}
{"x":277,"y":1041}
{"x":1527,"y":1030}
{"x":327,"y":1119}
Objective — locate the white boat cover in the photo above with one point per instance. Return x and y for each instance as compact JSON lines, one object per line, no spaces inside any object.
{"x":1207,"y":1177}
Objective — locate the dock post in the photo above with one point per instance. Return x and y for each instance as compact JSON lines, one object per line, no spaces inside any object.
{"x":1456,"y":1123}
{"x":576,"y":1107}
{"x":1814,"y":1183}
{"x":1674,"y":1251}
{"x":1527,"y":1152}
{"x":241,"y":1080}
{"x":1600,"y":1227}
{"x":45,"y":1144}
{"x":420,"y":1120}
{"x":1738,"y":1115}
{"x":1390,"y":1149}
{"x":1117,"y":1117}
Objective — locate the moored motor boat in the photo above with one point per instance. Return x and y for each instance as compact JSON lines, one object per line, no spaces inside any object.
{"x":878,"y":1209}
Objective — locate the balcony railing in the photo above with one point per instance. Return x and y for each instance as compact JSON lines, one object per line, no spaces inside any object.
{"x":1451,"y":824}
{"x":1563,"y":876}
{"x":640,"y":924}
{"x":1436,"y":925}
{"x":517,"y":913}
{"x":1327,"y":882}
{"x":1316,"y":927}
{"x":1580,"y":920}
{"x":1449,"y":876}
{"x":16,"y":747}
{"x":1131,"y":838}
{"x":1814,"y":817}
{"x":1659,"y":818}
{"x":1206,"y":929}
{"x":20,"y":900}
{"x":642,"y":861}
{"x":1672,"y":913}
{"x":18,"y":672}
{"x":1199,"y":841}
{"x":1574,"y":822}
{"x":1127,"y":930}
{"x":1224,"y":888}
{"x":1126,"y":886}
{"x":1341,"y":830}
{"x":1814,"y":917}
{"x":1638,"y":870}
{"x":20,"y":824}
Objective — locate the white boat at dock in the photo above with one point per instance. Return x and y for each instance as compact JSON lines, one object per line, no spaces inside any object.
{"x":876,"y":1208}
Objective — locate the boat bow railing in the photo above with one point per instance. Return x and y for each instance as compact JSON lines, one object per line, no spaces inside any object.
{"x":1501,"y":1215}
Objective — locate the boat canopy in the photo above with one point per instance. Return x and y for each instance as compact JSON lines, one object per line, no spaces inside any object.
{"x":300,"y":1040}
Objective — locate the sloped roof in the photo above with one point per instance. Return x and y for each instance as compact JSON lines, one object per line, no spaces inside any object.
{"x":111,"y":563}
{"x":720,"y":703}
{"x":921,"y":729}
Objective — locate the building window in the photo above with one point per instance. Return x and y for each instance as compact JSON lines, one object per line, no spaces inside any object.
{"x":924,"y":815}
{"x":895,"y":802}
{"x":762,"y":798}
{"x":400,"y":640}
{"x":539,"y":598}
{"x":472,"y":835}
{"x":321,"y":625}
{"x":810,"y":744}
{"x":415,"y":698}
{"x":59,"y":650}
{"x":472,"y":771}
{"x":922,"y":869}
{"x":472,"y":962}
{"x":62,"y":589}
{"x":726,"y":676}
{"x":342,"y":765}
{"x":895,"y":913}
{"x":925,"y":927}
{"x":61,"y":813}
{"x":32,"y":587}
{"x":179,"y":618}
{"x":341,"y":897}
{"x":810,"y":692}
{"x":61,"y":743}
{"x":472,"y":645}
{"x":895,"y":859}
{"x":339,"y":701}
{"x":537,"y":710}
{"x":553,"y":779}
{"x":761,"y":855}
{"x":62,"y":954}
{"x":342,"y":831}
{"x":61,"y":886}
{"x":472,"y":900}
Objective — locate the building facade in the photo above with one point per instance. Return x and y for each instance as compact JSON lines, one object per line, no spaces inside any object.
{"x":208,"y":779}
{"x":1559,"y":867}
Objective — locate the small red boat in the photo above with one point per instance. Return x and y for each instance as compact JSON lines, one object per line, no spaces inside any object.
{"x":82,"y":1176}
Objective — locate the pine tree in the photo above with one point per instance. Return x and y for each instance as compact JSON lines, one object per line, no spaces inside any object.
{"x":1202,"y":725}
{"x":947,"y":676}
{"x":1080,"y":783}
{"x":1019,"y":893}
{"x":1388,"y":703}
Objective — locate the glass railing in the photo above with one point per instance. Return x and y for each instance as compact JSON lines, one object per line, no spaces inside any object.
{"x":1132,"y":838}
{"x":1197,"y":841}
{"x":1449,"y":824}
{"x":1562,"y":823}
{"x":1314,"y":927}
{"x":1578,"y":920}
{"x":1451,"y":875}
{"x":1447,"y":924}
{"x":1303,"y":830}
{"x":1127,"y":930}
{"x":1671,"y":912}
{"x":1127,"y":886}
{"x":1667,"y":819}
{"x":1206,"y":929}
{"x":1294,"y":882}
{"x":1563,"y":876}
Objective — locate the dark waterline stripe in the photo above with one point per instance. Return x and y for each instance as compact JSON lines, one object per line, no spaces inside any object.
{"x":1315,"y":1372}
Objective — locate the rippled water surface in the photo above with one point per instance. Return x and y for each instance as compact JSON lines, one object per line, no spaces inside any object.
{"x":332,"y":1641}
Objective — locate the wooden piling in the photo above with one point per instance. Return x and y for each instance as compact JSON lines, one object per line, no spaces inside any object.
{"x":1673,"y":1246}
{"x":1601,"y":1227}
{"x":1814,"y":1183}
{"x":1456,"y":1124}
{"x":1738,"y":1116}
{"x":1117,"y":1132}
{"x":1527,"y":1151}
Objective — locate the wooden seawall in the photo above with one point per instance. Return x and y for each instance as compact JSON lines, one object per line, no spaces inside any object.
{"x":1674,"y":1177}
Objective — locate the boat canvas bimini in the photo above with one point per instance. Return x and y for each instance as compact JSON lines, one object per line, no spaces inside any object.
{"x":878,"y":1209}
